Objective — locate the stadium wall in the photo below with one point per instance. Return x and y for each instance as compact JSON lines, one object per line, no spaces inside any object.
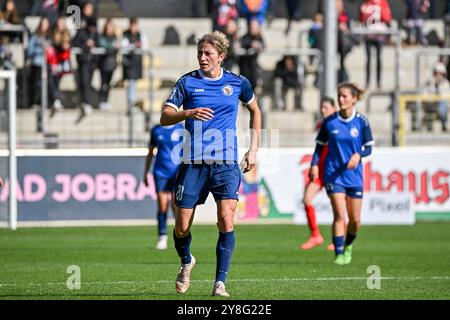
{"x":103,"y":187}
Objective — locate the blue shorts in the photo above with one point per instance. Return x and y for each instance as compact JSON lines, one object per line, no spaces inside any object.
{"x":353,"y":192}
{"x":163,"y":184}
{"x":195,"y":181}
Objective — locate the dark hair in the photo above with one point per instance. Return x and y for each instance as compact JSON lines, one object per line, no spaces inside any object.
{"x":133,"y":20}
{"x":108,"y":21}
{"x":327,"y":99}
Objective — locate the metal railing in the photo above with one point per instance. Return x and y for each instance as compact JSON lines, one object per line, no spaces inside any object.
{"x":299,"y":53}
{"x":17,"y":28}
{"x":42,"y":114}
{"x":417,"y":97}
{"x":419,"y":55}
{"x":359,"y":30}
{"x":427,"y":52}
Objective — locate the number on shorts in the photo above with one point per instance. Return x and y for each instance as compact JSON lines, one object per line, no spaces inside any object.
{"x":179,"y":194}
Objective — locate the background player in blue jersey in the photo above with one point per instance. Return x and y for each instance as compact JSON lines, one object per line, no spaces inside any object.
{"x":210,"y":99}
{"x":164,"y":140}
{"x":349,"y":138}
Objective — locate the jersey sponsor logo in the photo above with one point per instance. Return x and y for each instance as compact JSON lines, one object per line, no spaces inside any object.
{"x":227,"y":90}
{"x":160,"y":137}
{"x":199,"y":90}
{"x":335,"y":131}
{"x":354,"y":132}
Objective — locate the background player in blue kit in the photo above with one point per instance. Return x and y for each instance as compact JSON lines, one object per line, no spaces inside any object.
{"x":349,"y":138}
{"x":210,"y":99}
{"x":164,"y":140}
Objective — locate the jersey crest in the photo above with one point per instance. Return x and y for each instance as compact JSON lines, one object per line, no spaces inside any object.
{"x":354,"y":132}
{"x":227,"y":90}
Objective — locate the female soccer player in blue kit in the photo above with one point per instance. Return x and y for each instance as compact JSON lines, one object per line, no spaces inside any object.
{"x":349,"y":138}
{"x":210,"y":99}
{"x":164,"y":140}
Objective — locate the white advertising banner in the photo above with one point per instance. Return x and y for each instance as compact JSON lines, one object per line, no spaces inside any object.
{"x":398,"y":183}
{"x":379,"y":208}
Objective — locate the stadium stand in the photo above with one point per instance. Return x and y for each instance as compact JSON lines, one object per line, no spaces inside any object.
{"x":109,"y":129}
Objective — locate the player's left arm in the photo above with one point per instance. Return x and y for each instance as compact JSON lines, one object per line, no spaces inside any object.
{"x":366,"y":148}
{"x":249,"y":160}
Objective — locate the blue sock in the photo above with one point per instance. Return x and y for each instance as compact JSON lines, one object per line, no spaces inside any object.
{"x":224,"y":251}
{"x":183,"y":246}
{"x":338,"y":244}
{"x":349,"y":238}
{"x":162,"y":223}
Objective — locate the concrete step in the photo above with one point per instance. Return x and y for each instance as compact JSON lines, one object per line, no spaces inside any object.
{"x":68,"y":122}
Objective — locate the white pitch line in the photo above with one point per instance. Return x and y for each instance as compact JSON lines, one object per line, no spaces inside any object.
{"x":230,"y":280}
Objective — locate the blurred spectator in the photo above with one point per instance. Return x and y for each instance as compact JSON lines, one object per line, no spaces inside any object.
{"x":254,"y":9}
{"x":416,"y":10}
{"x":35,"y":51}
{"x":49,"y":9}
{"x":62,"y":7}
{"x":270,"y":13}
{"x":88,"y":13}
{"x":345,"y":40}
{"x":438,"y":84}
{"x":224,"y":11}
{"x":132,"y":62}
{"x":6,"y":61}
{"x":286,"y":78}
{"x":86,"y":39}
{"x":108,"y":41}
{"x":377,"y":16}
{"x":10,"y":14}
{"x":253,"y":43}
{"x":293,"y":11}
{"x":60,"y":61}
{"x":448,"y":68}
{"x":54,"y":94}
{"x":61,"y":41}
{"x":316,"y":39}
{"x":232,"y":36}
{"x":315,"y":34}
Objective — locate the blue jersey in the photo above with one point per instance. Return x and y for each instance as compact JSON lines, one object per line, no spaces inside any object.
{"x":345,"y":137}
{"x":166,"y":139}
{"x":214,"y":139}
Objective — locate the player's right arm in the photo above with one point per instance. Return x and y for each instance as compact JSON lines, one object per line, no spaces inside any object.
{"x":171,"y":116}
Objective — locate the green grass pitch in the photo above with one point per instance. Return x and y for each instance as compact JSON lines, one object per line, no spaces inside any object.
{"x":122,"y":263}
